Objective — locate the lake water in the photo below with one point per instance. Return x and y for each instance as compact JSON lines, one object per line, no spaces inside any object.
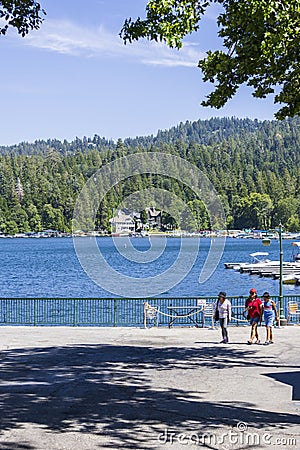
{"x":50,"y":267}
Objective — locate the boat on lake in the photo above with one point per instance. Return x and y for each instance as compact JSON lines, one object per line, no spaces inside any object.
{"x":296,"y":251}
{"x":264,"y":267}
{"x":258,"y":258}
{"x":292,"y":278}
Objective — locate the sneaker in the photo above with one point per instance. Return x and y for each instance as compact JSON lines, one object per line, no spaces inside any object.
{"x":249,"y":342}
{"x":271,"y":342}
{"x":223,"y":341}
{"x":267,"y":343}
{"x":257,"y":341}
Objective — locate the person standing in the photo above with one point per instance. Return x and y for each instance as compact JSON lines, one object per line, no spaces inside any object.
{"x":222,"y":311}
{"x":254,"y":308}
{"x":270,"y":313}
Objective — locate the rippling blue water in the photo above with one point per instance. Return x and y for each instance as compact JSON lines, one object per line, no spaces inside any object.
{"x":50,"y":268}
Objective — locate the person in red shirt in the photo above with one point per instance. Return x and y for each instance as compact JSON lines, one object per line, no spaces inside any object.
{"x":254,"y":308}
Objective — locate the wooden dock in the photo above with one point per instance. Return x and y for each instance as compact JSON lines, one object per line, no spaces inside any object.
{"x":268,"y":270}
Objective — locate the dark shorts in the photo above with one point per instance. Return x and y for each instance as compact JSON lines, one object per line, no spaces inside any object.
{"x":254,"y":320}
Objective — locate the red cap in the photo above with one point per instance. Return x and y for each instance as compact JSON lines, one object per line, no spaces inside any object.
{"x":253,"y":290}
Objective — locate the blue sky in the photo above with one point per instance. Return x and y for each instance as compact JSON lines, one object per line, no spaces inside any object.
{"x":75,"y":77}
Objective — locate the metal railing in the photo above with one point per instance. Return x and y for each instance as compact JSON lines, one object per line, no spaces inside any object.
{"x":111,"y":312}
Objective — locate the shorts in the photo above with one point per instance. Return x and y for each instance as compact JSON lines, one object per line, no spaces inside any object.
{"x":269,"y":320}
{"x":254,"y":320}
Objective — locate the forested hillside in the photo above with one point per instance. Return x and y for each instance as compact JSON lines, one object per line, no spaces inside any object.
{"x":254,"y":166}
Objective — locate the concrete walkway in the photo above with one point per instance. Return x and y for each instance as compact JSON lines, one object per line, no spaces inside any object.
{"x":99,"y":388}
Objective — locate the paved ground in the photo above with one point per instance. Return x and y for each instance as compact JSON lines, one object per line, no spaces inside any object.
{"x":97,"y":388}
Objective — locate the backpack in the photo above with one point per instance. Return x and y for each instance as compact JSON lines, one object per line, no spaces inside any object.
{"x":217,"y":316}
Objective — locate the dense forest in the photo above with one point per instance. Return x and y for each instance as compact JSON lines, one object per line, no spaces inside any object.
{"x":254,"y":166}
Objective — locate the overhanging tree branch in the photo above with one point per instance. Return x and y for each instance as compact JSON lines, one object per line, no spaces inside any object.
{"x":262,"y":38}
{"x":24,"y":15}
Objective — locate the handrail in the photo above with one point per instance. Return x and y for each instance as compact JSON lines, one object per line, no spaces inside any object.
{"x":106,"y":311}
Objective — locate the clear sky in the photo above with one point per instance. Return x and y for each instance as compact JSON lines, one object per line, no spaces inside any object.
{"x":75,"y":77}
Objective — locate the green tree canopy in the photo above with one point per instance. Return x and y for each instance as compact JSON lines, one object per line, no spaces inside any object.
{"x":254,"y":166}
{"x":255,"y":209}
{"x":24,"y":15}
{"x":261,"y":39}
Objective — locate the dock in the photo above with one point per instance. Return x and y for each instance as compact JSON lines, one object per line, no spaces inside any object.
{"x":271,"y":270}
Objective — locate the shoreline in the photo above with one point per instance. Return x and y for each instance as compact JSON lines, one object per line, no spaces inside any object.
{"x":212,"y":235}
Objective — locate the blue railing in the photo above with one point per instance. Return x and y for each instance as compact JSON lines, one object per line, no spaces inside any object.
{"x":114,"y":312}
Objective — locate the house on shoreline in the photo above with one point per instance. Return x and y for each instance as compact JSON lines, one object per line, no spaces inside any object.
{"x":154,"y":217}
{"x":122,"y":223}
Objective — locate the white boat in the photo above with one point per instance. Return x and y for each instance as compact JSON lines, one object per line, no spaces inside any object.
{"x":258,"y":258}
{"x":292,"y":278}
{"x":296,"y":251}
{"x":258,"y":262}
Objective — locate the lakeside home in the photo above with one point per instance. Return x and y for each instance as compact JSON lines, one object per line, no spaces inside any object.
{"x":122,"y":224}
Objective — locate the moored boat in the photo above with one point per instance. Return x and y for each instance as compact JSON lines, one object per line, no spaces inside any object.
{"x":292,"y":278}
{"x":258,"y":258}
{"x":296,"y":251}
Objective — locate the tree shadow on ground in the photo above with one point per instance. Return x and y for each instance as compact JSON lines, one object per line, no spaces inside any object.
{"x":291,"y":378}
{"x":15,"y":446}
{"x":107,"y":390}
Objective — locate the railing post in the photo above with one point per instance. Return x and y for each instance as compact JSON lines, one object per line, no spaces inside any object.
{"x":115,"y":312}
{"x":75,"y":312}
{"x":34,"y":312}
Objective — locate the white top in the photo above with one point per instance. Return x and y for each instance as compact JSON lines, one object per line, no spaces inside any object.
{"x":224,"y":309}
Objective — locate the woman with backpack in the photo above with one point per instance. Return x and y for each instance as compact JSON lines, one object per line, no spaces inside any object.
{"x":222,"y":312}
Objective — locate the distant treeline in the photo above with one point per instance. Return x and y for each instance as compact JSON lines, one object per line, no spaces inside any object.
{"x":254,"y":166}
